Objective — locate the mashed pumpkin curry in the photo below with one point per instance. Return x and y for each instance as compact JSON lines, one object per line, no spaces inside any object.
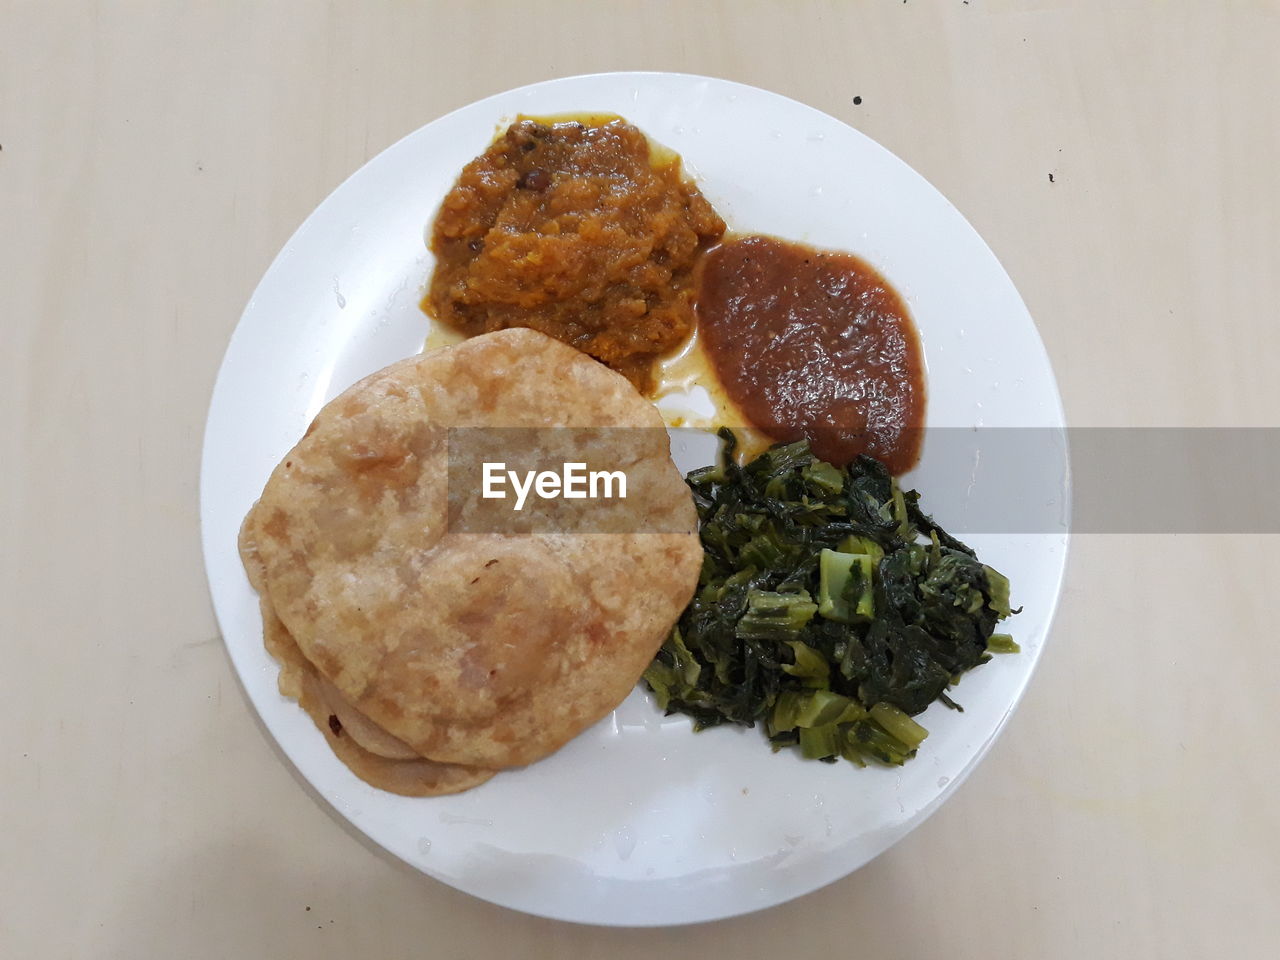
{"x":577,"y":230}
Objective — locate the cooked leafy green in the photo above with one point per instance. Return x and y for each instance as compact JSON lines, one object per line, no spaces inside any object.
{"x":830,"y":608}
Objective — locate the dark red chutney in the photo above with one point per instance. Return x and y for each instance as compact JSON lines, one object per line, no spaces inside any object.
{"x":814,"y":344}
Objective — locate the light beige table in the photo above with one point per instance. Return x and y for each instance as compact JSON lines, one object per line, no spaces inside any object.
{"x":1120,"y":158}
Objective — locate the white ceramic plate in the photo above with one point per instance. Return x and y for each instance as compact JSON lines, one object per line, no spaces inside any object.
{"x":639,"y":821}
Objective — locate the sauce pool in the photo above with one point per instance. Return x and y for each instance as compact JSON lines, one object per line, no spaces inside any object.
{"x":814,"y":344}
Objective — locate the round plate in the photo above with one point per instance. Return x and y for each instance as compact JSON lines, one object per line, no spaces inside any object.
{"x":639,"y":821}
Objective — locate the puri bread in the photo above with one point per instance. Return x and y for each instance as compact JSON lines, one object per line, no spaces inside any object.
{"x":374,"y":755}
{"x":475,"y":649}
{"x":371,"y":753}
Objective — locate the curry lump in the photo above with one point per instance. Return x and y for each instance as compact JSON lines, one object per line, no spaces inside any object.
{"x":578,"y":230}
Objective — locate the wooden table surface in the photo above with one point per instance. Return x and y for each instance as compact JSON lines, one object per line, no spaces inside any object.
{"x":1119,"y":157}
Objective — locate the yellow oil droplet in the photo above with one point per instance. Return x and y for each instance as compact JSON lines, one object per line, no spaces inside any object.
{"x":438,"y":335}
{"x":690,"y":394}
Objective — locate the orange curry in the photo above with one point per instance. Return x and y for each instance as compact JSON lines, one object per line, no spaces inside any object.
{"x":577,"y":230}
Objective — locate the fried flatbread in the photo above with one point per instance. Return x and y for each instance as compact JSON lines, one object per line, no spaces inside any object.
{"x":482,"y":650}
{"x":375,"y":756}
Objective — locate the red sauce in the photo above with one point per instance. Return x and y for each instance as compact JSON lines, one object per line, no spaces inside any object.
{"x":814,"y":344}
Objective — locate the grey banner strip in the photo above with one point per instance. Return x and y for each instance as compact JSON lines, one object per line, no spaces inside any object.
{"x":1129,"y":480}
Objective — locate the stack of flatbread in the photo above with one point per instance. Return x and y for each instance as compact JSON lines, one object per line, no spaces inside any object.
{"x":430,"y":656}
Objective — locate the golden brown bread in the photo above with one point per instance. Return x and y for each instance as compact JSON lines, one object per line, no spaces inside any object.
{"x":371,"y":753}
{"x":481,"y":650}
